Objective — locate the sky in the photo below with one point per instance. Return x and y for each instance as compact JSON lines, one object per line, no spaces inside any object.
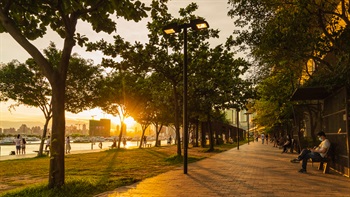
{"x":214,"y":11}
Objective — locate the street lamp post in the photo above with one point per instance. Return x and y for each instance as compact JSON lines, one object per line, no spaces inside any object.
{"x":195,"y":24}
{"x":248,"y":113}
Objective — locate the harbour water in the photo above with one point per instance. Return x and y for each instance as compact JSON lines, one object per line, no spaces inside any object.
{"x":31,"y":147}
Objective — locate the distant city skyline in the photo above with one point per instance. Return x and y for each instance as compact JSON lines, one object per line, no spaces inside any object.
{"x":214,"y":11}
{"x":34,"y":117}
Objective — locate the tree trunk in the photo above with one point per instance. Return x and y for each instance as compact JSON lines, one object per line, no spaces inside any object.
{"x":204,"y":140}
{"x":211,"y":137}
{"x":157,"y":133}
{"x":57,"y":170}
{"x":197,"y":133}
{"x":121,"y":133}
{"x":40,"y":152}
{"x":142,"y":136}
{"x":177,"y":121}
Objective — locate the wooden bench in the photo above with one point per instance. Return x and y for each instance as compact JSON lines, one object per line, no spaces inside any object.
{"x":148,"y":145}
{"x":324,"y":163}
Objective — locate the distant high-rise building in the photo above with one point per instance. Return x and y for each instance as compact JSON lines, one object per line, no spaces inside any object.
{"x":72,"y":129}
{"x":36,"y":130}
{"x":100,"y":127}
{"x":23,"y":129}
{"x":84,"y":131}
{"x":117,"y":130}
{"x":11,"y":131}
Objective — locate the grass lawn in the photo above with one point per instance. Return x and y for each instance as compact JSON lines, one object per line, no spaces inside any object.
{"x":89,"y":174}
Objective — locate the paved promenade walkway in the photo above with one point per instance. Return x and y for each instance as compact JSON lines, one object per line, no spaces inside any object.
{"x":253,"y":170}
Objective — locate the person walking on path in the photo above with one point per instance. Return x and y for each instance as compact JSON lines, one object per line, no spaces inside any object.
{"x":18,"y":142}
{"x":275,"y":140}
{"x":267,"y":138}
{"x":68,"y":147}
{"x":23,"y":146}
{"x":262,"y":138}
{"x":316,"y":153}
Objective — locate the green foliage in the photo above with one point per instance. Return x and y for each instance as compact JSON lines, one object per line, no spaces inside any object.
{"x":215,"y":77}
{"x":175,"y":159}
{"x":93,"y":173}
{"x":77,"y":187}
{"x":274,"y":93}
{"x":25,"y":83}
{"x":33,"y":17}
{"x":282,"y":36}
{"x":28,"y":20}
{"x":294,"y":32}
{"x":147,"y":80}
{"x":178,"y":159}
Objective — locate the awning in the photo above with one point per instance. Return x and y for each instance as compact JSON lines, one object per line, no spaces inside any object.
{"x":310,"y":93}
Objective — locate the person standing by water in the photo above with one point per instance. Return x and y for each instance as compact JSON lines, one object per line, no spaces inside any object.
{"x":18,"y":142}
{"x":124,"y":142}
{"x":262,"y":138}
{"x":68,"y":147}
{"x":23,"y":146}
{"x":48,"y":142}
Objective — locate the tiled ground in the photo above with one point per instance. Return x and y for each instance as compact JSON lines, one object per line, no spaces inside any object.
{"x":253,"y":170}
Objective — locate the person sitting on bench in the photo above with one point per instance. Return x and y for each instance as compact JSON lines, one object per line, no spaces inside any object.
{"x":287,"y":144}
{"x":114,"y":145}
{"x":317,"y":153}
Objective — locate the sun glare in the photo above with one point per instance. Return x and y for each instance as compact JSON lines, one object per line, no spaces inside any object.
{"x":129,"y":121}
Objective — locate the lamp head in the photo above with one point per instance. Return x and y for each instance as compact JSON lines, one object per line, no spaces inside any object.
{"x":171,"y":28}
{"x":197,"y":24}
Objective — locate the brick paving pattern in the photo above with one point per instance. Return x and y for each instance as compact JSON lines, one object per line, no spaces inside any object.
{"x":253,"y":170}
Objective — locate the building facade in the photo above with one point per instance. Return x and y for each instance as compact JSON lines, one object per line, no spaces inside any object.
{"x":100,"y":127}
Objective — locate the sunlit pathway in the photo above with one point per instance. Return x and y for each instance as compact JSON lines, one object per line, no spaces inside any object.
{"x":253,"y":170}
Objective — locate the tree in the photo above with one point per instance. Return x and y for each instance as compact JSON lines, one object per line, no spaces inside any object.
{"x":290,"y":41}
{"x":217,"y":84}
{"x":168,"y":52}
{"x":274,"y":93}
{"x":215,"y":77}
{"x":25,"y":84}
{"x":161,"y":104}
{"x":27,"y":20}
{"x":296,"y":32}
{"x":163,"y":67}
{"x":120,"y":90}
